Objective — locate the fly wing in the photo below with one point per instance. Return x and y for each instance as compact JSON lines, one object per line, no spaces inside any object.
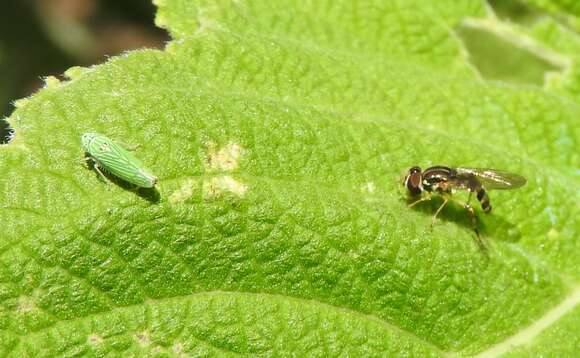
{"x":494,"y":179}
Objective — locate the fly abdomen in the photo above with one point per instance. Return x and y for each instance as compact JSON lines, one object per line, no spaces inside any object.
{"x":484,"y":200}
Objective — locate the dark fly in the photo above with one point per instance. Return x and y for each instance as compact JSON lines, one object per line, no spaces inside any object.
{"x":445,"y":180}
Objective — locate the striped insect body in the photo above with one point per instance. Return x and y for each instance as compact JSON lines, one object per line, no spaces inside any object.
{"x":444,"y":181}
{"x":116,"y":160}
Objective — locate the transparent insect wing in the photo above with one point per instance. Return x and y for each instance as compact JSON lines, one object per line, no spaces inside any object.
{"x":145,"y":179}
{"x":495,"y":179}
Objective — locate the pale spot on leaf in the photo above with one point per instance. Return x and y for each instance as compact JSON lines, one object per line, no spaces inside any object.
{"x":369,"y":187}
{"x":177,"y":348}
{"x":143,"y":339}
{"x":51,"y":82}
{"x":223,"y":159}
{"x":94,"y":339}
{"x":184,"y":192}
{"x":76,"y":72}
{"x":26,"y":304}
{"x":216,"y":186}
{"x":20,"y":103}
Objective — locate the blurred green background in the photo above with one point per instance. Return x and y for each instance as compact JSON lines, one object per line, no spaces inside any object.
{"x":46,"y":37}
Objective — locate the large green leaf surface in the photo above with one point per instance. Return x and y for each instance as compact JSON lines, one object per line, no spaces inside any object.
{"x":280,"y":132}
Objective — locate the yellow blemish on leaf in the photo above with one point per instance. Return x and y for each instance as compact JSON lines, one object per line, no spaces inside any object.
{"x":143,"y":339}
{"x":218,"y":185}
{"x":75,"y":72}
{"x":51,"y":82}
{"x":94,"y":339}
{"x":19,"y":103}
{"x":177,"y":348}
{"x":157,"y":350}
{"x":553,"y":234}
{"x":369,"y":187}
{"x":160,"y":19}
{"x":206,"y":23}
{"x":26,"y":304}
{"x":223,"y":159}
{"x":184,"y":192}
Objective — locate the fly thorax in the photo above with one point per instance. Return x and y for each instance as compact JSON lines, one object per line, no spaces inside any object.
{"x":427,"y":185}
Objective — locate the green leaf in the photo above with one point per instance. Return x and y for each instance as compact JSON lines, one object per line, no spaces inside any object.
{"x":280,"y":132}
{"x":565,"y":10}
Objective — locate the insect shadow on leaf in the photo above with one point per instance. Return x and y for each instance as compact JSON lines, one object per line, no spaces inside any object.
{"x":443,"y":181}
{"x":451,"y":212}
{"x":488,"y":226}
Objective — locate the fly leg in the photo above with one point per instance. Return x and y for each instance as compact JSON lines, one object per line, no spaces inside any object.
{"x":420,"y":200}
{"x":445,"y":201}
{"x":471,"y":212}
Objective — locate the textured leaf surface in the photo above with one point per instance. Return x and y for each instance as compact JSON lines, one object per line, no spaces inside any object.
{"x":280,"y":131}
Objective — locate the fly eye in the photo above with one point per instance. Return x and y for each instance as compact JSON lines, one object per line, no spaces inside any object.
{"x":413,"y":181}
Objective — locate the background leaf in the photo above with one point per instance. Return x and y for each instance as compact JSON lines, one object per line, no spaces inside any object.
{"x":280,"y":132}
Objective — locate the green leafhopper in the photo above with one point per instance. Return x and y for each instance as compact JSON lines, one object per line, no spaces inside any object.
{"x":111,"y":157}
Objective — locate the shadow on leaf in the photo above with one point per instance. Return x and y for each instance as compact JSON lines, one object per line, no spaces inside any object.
{"x":150,"y":194}
{"x":489,"y":225}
